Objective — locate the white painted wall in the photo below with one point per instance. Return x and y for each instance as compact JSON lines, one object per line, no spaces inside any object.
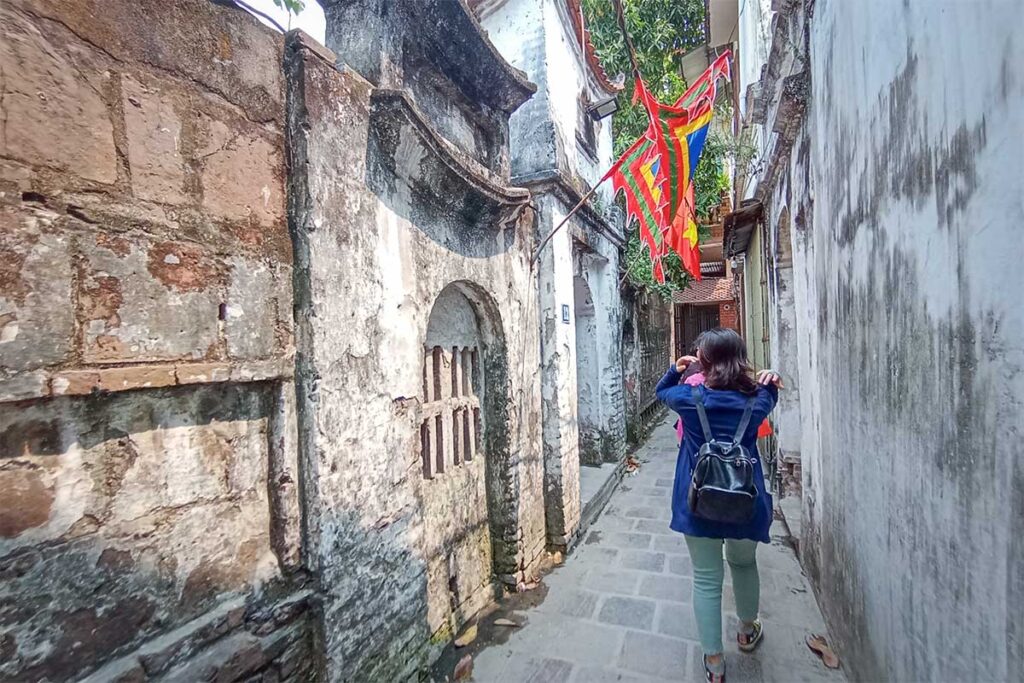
{"x":915,"y":324}
{"x":535,"y":35}
{"x":567,"y":77}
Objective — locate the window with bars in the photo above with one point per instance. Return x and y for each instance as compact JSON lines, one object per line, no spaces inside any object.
{"x":450,"y":426}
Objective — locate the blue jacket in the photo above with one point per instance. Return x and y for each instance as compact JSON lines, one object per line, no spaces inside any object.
{"x":724,"y":409}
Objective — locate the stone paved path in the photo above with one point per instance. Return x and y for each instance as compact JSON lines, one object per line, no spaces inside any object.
{"x":619,"y":609}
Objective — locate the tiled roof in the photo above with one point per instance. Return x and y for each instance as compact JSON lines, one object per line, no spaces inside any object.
{"x":583,"y":35}
{"x":708,"y":291}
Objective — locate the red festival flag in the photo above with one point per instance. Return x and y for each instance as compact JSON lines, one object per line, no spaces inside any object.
{"x":656,"y":172}
{"x":638,"y":176}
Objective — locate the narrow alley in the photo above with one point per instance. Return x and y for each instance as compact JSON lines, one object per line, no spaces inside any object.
{"x":340,"y":340}
{"x":619,"y":607}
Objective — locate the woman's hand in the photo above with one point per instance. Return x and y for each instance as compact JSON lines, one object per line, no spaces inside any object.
{"x":767,"y":377}
{"x":683,"y":362}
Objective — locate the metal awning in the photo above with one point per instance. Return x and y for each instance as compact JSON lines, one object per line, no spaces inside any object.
{"x":694,"y":63}
{"x":739,"y":224}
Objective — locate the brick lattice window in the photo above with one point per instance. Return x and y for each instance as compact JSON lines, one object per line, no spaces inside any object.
{"x":450,"y":427}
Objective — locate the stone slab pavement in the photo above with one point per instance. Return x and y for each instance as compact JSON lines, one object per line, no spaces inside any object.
{"x":619,"y":608}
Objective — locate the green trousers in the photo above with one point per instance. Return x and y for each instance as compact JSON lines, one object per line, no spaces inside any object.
{"x":708,"y":573}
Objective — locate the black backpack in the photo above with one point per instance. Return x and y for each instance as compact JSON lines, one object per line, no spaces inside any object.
{"x":722,"y":487}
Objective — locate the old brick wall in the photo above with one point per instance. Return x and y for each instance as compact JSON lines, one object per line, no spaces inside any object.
{"x":405,"y":557}
{"x":728,"y":315}
{"x":147,"y":432}
{"x":646,"y":354}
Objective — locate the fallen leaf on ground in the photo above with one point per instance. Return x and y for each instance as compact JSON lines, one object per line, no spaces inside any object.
{"x":464,"y":669}
{"x":505,"y":622}
{"x":820,"y":647}
{"x":632,"y":465}
{"x":467,"y":637}
{"x":556,"y":557}
{"x":523,"y":587}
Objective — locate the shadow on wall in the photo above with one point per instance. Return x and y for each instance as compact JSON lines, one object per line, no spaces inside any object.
{"x":395,"y":591}
{"x":107,"y":540}
{"x":417,"y":177}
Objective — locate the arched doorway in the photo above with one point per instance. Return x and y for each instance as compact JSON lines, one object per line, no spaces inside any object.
{"x":588,"y":368}
{"x":464,"y":453}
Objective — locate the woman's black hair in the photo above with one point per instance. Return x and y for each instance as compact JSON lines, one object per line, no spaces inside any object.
{"x":724,"y":359}
{"x":691,"y":370}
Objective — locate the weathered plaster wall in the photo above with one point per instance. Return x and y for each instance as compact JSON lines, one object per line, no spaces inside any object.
{"x":536,"y":36}
{"x":559,"y":382}
{"x":917,"y":483}
{"x":455,"y":76}
{"x":518,"y":30}
{"x":588,"y":378}
{"x":577,"y":251}
{"x":753,"y":38}
{"x":773,"y":51}
{"x":568,"y":77}
{"x":755,"y":300}
{"x":783,"y":336}
{"x":582,"y":419}
{"x":147,"y":434}
{"x":455,"y":506}
{"x":372,"y":256}
{"x":646,"y":354}
{"x":596,"y":262}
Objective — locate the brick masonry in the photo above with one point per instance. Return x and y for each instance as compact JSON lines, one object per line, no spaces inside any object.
{"x":147,"y":434}
{"x":728,"y":315}
{"x":219,"y":253}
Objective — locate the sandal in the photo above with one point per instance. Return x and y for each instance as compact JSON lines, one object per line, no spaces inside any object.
{"x":710,"y":675}
{"x":748,"y":642}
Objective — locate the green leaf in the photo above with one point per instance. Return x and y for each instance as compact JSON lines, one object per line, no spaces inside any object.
{"x":292,"y":6}
{"x":663,"y":31}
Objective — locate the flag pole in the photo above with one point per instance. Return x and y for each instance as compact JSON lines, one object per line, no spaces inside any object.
{"x":565,"y":220}
{"x":620,"y":16}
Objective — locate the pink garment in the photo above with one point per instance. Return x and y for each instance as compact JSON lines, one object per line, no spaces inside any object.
{"x":693,"y":380}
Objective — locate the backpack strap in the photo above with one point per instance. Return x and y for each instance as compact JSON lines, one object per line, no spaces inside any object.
{"x":698,"y":399}
{"x":745,"y":420}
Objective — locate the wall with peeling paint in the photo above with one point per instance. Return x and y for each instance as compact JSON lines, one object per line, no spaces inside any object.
{"x":147,"y":431}
{"x":194,"y":330}
{"x":914,"y":484}
{"x":395,"y":224}
{"x":584,"y":406}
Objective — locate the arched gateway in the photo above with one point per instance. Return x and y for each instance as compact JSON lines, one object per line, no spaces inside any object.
{"x":464,"y":447}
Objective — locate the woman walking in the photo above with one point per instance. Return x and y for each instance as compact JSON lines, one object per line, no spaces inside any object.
{"x":720,"y":420}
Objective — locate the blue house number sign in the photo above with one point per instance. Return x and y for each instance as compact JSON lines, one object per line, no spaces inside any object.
{"x":565,"y":313}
